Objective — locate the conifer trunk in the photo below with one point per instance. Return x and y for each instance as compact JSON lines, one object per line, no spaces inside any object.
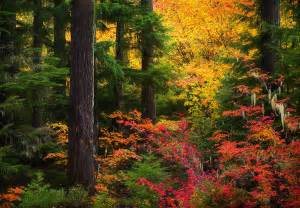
{"x":60,"y":30}
{"x":122,"y":58}
{"x":37,"y":46}
{"x":148,"y":91}
{"x":270,"y":11}
{"x":8,"y":32}
{"x":297,"y":13}
{"x":7,"y":42}
{"x":81,"y":126}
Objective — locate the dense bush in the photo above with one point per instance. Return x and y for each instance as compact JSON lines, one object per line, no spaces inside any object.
{"x":40,"y":195}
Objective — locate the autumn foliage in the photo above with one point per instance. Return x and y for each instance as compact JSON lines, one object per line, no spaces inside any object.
{"x":13,"y":195}
{"x":259,"y":169}
{"x":227,"y":132}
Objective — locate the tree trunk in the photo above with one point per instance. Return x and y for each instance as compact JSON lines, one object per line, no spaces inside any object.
{"x":7,"y":35}
{"x":81,"y":127}
{"x":37,"y":47}
{"x":270,"y":11}
{"x":122,"y":58}
{"x":60,"y":30}
{"x":297,"y":13}
{"x":148,"y":91}
{"x":7,"y":50}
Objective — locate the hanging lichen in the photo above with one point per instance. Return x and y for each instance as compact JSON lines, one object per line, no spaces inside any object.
{"x":244,"y":114}
{"x":253,"y":99}
{"x":270,"y":95}
{"x":263,"y":109}
{"x":281,"y":109}
{"x":273,"y":102}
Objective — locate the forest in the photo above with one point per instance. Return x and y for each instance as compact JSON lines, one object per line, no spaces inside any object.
{"x":150,"y":103}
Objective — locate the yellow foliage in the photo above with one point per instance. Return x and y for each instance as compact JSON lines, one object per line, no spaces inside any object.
{"x":13,"y":195}
{"x":61,"y":130}
{"x":58,"y":155}
{"x":202,"y":31}
{"x":120,"y":157}
{"x":264,"y":135}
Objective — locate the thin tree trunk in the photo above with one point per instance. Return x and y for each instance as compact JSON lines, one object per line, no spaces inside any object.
{"x":297,"y":13}
{"x":122,"y":58}
{"x":7,"y":35}
{"x":7,"y":49}
{"x":148,"y":90}
{"x":60,"y":30}
{"x":81,"y":128}
{"x":270,"y":11}
{"x":37,"y":46}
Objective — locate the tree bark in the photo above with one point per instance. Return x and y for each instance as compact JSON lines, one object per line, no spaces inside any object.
{"x":37,"y":44}
{"x":7,"y":35}
{"x":297,"y":13}
{"x":7,"y":49}
{"x":81,"y":165}
{"x":60,"y":15}
{"x":148,"y":90}
{"x":270,"y":11}
{"x":122,"y":58}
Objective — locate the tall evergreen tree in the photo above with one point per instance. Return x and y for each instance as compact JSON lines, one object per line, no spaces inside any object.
{"x":120,"y":13}
{"x":270,"y":14}
{"x":7,"y":31}
{"x":37,"y":43}
{"x":122,"y":58}
{"x":7,"y":47}
{"x":60,"y":22}
{"x":81,"y":133}
{"x":148,"y":91}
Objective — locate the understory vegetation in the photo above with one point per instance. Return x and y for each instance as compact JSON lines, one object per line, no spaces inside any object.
{"x":145,"y":104}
